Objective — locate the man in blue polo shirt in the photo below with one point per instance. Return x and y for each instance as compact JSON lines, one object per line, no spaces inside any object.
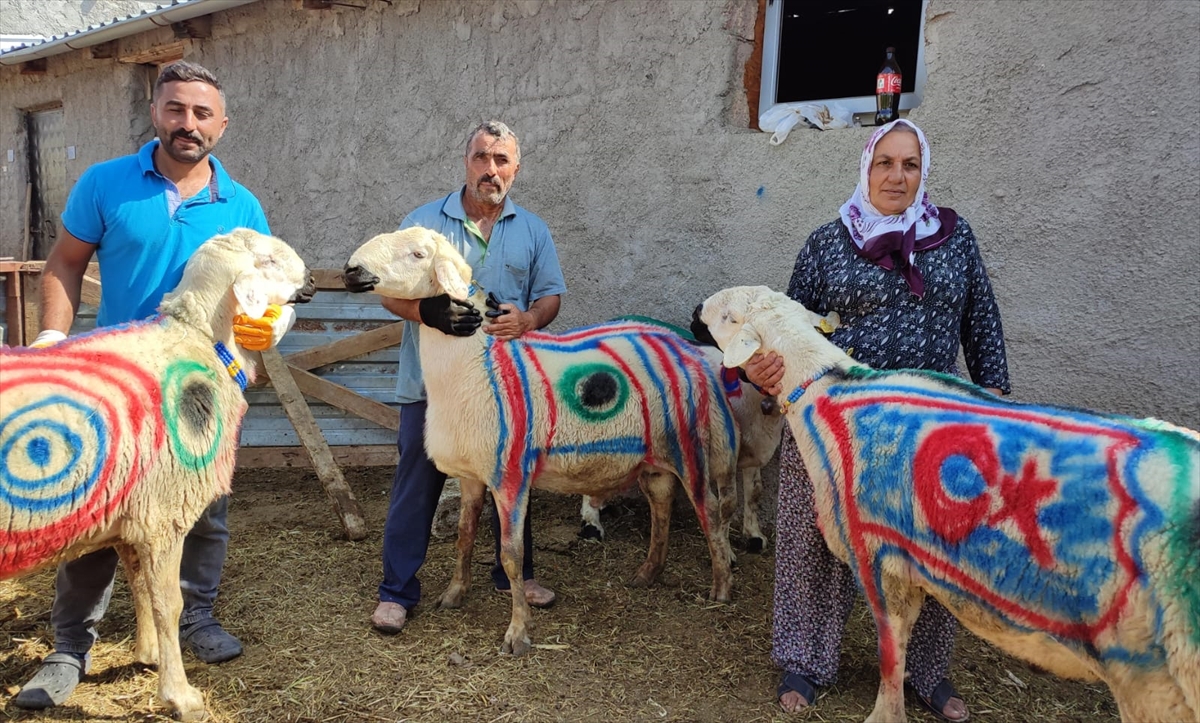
{"x":143,"y":216}
{"x":513,"y":256}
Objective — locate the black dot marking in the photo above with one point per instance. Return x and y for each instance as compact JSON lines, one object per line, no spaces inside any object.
{"x":197,"y":403}
{"x":599,"y":390}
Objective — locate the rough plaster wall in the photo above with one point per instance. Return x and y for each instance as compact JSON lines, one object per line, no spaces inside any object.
{"x":1065,"y":132}
{"x":56,"y":17}
{"x":105,"y":114}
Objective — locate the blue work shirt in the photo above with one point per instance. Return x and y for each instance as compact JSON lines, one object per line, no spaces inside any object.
{"x":519,"y":264}
{"x":124,"y":207}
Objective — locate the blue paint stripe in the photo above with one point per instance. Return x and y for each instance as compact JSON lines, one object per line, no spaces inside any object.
{"x":75,"y":495}
{"x":615,"y":445}
{"x":668,"y":425}
{"x":689,"y":383}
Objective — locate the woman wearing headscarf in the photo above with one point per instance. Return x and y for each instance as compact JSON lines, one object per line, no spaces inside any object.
{"x":908,"y":282}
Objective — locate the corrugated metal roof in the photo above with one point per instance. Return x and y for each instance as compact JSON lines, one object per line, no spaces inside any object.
{"x":165,"y":14}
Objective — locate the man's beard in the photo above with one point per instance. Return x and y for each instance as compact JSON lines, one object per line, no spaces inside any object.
{"x":185,"y":155}
{"x":489,"y":196}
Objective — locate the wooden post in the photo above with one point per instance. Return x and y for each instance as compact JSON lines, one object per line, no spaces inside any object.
{"x":14,"y":304}
{"x":344,"y":502}
{"x":31,"y":292}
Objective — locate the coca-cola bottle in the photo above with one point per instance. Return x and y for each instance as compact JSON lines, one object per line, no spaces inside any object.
{"x":887,"y":90}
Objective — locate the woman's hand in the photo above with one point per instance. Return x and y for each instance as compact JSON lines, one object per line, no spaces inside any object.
{"x":765,"y":371}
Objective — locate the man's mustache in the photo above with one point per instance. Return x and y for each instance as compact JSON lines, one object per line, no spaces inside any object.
{"x":186,"y":135}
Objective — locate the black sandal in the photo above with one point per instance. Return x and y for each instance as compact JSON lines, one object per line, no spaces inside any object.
{"x":797,"y":683}
{"x":936,"y":703}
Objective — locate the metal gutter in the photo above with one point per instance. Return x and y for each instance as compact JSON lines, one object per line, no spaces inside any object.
{"x":177,"y":11}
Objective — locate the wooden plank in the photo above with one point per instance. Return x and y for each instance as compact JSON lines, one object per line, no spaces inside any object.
{"x":89,"y":293}
{"x":343,"y":398}
{"x":328,"y":279}
{"x":344,"y":502}
{"x":158,"y":54}
{"x":375,"y":455}
{"x":31,"y":307}
{"x":349,"y":347}
{"x":14,"y":308}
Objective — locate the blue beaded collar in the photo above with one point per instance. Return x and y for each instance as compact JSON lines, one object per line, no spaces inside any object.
{"x":231,"y":365}
{"x":799,"y":391}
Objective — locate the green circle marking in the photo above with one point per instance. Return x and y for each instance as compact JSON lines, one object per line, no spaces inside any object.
{"x":570,"y":388}
{"x":174,"y":380}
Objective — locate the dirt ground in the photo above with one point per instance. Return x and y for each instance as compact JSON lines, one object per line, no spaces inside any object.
{"x":299,"y":596}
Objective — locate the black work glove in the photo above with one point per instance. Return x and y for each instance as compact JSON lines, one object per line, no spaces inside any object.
{"x":450,"y":316}
{"x":493,"y":305}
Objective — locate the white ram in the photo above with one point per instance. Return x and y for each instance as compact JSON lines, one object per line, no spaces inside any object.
{"x":123,"y":436}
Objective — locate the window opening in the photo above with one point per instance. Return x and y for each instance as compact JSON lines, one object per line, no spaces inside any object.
{"x":829,"y":51}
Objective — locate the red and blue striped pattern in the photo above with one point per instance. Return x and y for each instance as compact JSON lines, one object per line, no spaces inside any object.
{"x":673,"y":388}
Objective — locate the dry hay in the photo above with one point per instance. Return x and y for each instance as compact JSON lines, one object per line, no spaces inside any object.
{"x":299,"y":596}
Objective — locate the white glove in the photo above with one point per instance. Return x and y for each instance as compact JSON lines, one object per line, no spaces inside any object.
{"x":47,"y":337}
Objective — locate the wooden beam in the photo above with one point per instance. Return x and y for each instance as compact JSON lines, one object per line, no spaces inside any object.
{"x":366,"y":455}
{"x":348,"y":347}
{"x":89,"y":293}
{"x":13,"y":307}
{"x":344,"y":502}
{"x":329,"y":279}
{"x":158,"y":54}
{"x":31,"y":308}
{"x":345,"y":399}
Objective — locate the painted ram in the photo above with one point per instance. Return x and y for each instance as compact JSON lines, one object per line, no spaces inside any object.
{"x":123,"y":436}
{"x":584,"y":412}
{"x":1066,"y":538}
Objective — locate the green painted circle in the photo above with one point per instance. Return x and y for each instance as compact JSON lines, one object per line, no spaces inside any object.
{"x":570,"y":388}
{"x":174,"y":380}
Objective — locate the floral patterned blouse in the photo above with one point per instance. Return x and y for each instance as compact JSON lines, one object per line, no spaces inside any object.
{"x":886,"y":326}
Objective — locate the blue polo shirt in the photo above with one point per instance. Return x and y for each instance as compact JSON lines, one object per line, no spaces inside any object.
{"x":519,"y":264}
{"x":144,"y":233}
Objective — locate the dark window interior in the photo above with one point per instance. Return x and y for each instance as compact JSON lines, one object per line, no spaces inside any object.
{"x":833,"y":48}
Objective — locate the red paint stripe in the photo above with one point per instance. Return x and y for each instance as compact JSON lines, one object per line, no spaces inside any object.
{"x":597,"y":331}
{"x":697,"y":372}
{"x":676,"y":406}
{"x":841,"y":435}
{"x":641,"y":392}
{"x":511,"y":476}
{"x":989,"y":411}
{"x":551,"y":408}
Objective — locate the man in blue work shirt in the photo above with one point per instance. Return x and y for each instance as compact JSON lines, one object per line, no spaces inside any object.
{"x":143,"y":216}
{"x":512,"y":255}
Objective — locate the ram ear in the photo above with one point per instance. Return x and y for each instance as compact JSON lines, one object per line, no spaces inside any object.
{"x":450,"y":277}
{"x":247,"y":289}
{"x":742,"y":346}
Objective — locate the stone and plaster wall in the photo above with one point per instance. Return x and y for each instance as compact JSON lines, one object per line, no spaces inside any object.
{"x":1065,"y":132}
